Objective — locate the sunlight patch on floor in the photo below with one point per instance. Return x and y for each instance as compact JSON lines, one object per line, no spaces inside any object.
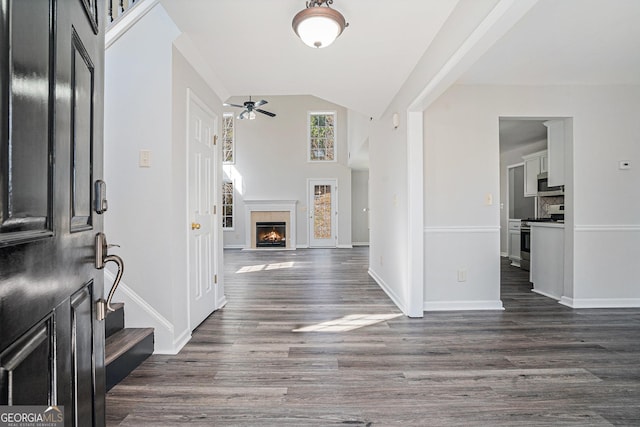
{"x":349,"y":323}
{"x":260,"y":267}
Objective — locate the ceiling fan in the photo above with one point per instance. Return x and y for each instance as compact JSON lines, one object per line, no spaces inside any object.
{"x":249,"y":109}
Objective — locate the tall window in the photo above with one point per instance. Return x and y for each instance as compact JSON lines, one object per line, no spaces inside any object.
{"x":228,"y":145}
{"x":227,"y":204}
{"x":322,"y":136}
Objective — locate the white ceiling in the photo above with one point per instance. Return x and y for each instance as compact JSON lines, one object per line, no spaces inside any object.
{"x":514,"y":132}
{"x":566,"y":42}
{"x":252,"y":49}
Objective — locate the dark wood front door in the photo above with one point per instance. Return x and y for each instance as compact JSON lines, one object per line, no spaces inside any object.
{"x":51,"y":97}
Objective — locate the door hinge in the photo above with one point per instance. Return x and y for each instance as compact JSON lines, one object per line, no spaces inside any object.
{"x":215,"y":209}
{"x":215,"y":278}
{"x":215,"y":139}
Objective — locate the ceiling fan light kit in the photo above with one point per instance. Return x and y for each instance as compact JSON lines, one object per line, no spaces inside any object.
{"x":318,"y":26}
{"x":250,"y":108}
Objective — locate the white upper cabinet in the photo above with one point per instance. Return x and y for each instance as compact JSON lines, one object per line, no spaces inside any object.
{"x":534,"y":164}
{"x":555,"y":146}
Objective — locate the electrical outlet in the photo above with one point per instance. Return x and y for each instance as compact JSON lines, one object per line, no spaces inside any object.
{"x":462,"y":275}
{"x":488,"y":199}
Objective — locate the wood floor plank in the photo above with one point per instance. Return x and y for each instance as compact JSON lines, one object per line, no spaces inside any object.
{"x":304,"y":341}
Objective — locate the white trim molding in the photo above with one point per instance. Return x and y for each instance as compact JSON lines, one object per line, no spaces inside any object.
{"x":385,"y":287}
{"x":124,"y":23}
{"x":234,"y":247}
{"x":462,"y":305}
{"x":140,"y":314}
{"x":600,"y":302}
{"x":606,"y":227}
{"x":463,"y":229}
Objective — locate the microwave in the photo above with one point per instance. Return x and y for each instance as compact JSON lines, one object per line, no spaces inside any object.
{"x":545,"y":190}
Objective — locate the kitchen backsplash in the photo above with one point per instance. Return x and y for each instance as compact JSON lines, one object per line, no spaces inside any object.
{"x":544,"y":202}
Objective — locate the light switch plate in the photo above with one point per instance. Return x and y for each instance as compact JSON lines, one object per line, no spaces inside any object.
{"x":144,"y":160}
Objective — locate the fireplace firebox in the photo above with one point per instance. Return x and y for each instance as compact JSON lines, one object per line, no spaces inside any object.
{"x":271,"y":234}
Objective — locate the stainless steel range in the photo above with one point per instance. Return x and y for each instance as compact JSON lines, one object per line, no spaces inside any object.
{"x":525,"y":245}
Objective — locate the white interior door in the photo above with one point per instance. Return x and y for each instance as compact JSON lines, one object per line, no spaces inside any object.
{"x":323,"y":212}
{"x":202,"y":185}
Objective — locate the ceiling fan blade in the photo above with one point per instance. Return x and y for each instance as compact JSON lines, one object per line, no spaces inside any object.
{"x":268,"y":113}
{"x":261,"y":102}
{"x":232,"y":105}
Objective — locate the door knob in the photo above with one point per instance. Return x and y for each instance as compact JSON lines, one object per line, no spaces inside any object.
{"x":195,"y":226}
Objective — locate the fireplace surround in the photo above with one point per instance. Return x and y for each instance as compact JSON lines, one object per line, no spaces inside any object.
{"x":270,"y":211}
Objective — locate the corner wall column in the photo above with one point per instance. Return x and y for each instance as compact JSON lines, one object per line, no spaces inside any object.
{"x":415,"y":204}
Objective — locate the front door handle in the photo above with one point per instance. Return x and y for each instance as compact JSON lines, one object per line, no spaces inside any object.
{"x":195,"y":226}
{"x":102,"y":258}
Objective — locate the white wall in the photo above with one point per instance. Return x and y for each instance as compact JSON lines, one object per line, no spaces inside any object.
{"x":360,"y":207}
{"x":461,"y":164}
{"x":391,"y":238}
{"x":271,"y":163}
{"x":138,"y":116}
{"x":145,"y":108}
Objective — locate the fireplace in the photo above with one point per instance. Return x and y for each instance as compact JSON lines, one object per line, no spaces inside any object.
{"x":271,"y":234}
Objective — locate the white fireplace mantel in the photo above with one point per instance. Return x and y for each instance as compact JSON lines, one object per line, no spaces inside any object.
{"x":271,"y":206}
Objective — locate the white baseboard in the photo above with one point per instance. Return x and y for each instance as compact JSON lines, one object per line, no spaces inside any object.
{"x":462,"y":305}
{"x":140,"y":314}
{"x":233,"y":247}
{"x":504,"y":254}
{"x":344,"y":246}
{"x":600,"y":302}
{"x":221,"y":302}
{"x":390,"y":293}
{"x":302,"y":246}
{"x":179,"y":342}
{"x":545,"y":294}
{"x":360,"y":244}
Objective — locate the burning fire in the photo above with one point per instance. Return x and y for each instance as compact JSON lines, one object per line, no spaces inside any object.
{"x":272,"y":236}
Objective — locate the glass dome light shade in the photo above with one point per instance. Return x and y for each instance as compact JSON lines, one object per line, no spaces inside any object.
{"x":318,"y":26}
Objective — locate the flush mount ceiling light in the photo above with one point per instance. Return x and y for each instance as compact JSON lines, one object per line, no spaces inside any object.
{"x":317,"y":25}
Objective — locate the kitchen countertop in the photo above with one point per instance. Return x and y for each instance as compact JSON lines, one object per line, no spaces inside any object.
{"x":547,"y":224}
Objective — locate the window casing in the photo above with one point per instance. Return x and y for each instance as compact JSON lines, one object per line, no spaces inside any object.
{"x":227,"y":204}
{"x":321,"y":131}
{"x":228,"y":139}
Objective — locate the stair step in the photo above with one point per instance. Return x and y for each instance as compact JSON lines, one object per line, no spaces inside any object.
{"x":115,"y":319}
{"x":125,"y":350}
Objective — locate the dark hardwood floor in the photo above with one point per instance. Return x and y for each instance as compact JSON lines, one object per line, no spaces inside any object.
{"x":252,"y":363}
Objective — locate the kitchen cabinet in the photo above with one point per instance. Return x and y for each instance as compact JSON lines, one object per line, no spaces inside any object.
{"x":555,"y":148}
{"x":534,"y":164}
{"x":547,"y":259}
{"x":514,"y":242}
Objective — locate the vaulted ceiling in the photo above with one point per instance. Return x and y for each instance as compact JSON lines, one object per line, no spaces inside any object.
{"x":252,"y":49}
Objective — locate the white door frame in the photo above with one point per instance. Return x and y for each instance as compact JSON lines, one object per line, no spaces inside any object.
{"x":216,"y":225}
{"x":334,"y":216}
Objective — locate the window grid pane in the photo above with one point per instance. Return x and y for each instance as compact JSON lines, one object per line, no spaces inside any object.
{"x":322,"y":137}
{"x":227,"y":139}
{"x":227,"y":204}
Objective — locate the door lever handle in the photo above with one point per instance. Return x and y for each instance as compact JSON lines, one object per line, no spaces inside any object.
{"x":102,"y":258}
{"x":120,"y":263}
{"x":195,"y":226}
